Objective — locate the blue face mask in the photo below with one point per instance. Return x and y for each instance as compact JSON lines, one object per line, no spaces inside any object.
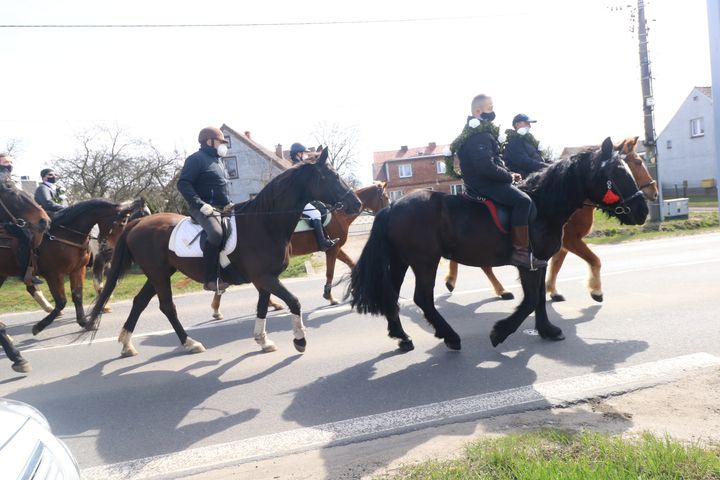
{"x":489,"y":116}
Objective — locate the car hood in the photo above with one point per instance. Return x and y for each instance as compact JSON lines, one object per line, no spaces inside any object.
{"x":10,"y":423}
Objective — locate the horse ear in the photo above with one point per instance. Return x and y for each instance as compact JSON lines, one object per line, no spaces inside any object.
{"x":607,"y":149}
{"x":323,"y":157}
{"x":620,"y":146}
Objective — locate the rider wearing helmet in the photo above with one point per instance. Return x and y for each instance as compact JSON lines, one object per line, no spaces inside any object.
{"x":203,"y":184}
{"x":310,"y":213}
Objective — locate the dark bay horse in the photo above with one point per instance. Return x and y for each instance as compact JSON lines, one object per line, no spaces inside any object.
{"x":264,"y":225}
{"x":577,"y":227}
{"x":64,"y":250}
{"x":424,"y":226}
{"x":373,"y":198}
{"x":19,"y":214}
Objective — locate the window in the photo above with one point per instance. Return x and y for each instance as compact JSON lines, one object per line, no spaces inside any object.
{"x":227,"y":137}
{"x":231,"y":169}
{"x":456,"y":189}
{"x":440,"y":167}
{"x":395,"y":195}
{"x":668,"y":144}
{"x":405,"y":170}
{"x":697,"y":127}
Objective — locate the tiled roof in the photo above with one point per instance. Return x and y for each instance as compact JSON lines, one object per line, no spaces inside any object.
{"x":405,"y":153}
{"x":707,"y":91}
{"x":568,"y":152}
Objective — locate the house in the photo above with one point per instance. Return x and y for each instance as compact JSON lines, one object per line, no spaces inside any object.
{"x":686,"y":147}
{"x":568,"y":152}
{"x":412,"y":168}
{"x":248,"y":165}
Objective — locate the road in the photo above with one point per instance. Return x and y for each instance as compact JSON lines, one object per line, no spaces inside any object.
{"x":661,"y":302}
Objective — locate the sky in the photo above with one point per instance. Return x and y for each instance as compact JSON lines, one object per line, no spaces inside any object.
{"x":571,"y":65}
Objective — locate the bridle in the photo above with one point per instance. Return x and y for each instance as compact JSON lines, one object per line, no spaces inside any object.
{"x":638,"y":161}
{"x":619,"y":207}
{"x":21,"y":222}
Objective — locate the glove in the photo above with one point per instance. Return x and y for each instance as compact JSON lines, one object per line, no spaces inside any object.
{"x":207,"y":209}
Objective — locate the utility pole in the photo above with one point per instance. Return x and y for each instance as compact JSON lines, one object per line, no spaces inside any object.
{"x":713,"y":7}
{"x":648,"y":104}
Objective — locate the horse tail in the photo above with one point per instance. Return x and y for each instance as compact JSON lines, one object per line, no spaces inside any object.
{"x":121,"y":261}
{"x":371,"y":285}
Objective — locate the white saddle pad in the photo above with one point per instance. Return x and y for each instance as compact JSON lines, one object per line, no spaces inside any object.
{"x":185,"y":240}
{"x":304,"y":226}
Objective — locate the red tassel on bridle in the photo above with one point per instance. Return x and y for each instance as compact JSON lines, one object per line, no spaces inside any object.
{"x":610,"y":197}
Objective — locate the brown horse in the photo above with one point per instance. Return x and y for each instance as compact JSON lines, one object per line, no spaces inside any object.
{"x":264,"y":225}
{"x":577,"y":227}
{"x":374,"y":198}
{"x":19,"y":215}
{"x":64,"y":251}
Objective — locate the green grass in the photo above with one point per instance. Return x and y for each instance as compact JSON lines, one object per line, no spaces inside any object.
{"x":551,"y":455}
{"x":14,"y":298}
{"x":609,"y":230}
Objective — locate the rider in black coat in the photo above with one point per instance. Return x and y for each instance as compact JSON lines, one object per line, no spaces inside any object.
{"x":521,"y":152}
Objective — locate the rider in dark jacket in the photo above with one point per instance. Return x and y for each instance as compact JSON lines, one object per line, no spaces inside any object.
{"x":203,"y":185}
{"x":47,"y":194}
{"x":486,"y":175}
{"x":521,"y":152}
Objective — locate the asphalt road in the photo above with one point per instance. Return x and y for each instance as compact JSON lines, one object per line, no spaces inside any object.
{"x":661,"y":301}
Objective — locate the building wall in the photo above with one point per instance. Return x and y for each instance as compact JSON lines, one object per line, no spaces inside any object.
{"x":247,"y":171}
{"x":690,"y":159}
{"x":424,"y":175}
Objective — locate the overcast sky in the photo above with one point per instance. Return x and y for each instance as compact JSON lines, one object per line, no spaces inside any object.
{"x":572,"y":65}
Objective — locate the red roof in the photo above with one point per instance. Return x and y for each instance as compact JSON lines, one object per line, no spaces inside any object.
{"x":405,"y":153}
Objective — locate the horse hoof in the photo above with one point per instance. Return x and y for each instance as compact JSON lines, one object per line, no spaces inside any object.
{"x":128,"y":352}
{"x":334,"y":302}
{"x":406,"y":345}
{"x":507,"y":296}
{"x":36,"y":330}
{"x":276,"y":306}
{"x":218,"y":316}
{"x":555,"y":336}
{"x":598,"y":297}
{"x":271,"y":347}
{"x":450,"y":286}
{"x":300,"y":344}
{"x":107,"y":310}
{"x":193,"y":346}
{"x":90,"y":326}
{"x":22,"y":366}
{"x":452,"y":345}
{"x":557,"y":297}
{"x":495,"y":338}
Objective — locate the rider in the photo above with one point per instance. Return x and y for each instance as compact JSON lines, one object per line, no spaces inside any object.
{"x":24,"y":240}
{"x":521,"y":152}
{"x":485,"y":175}
{"x":203,"y":185}
{"x":48,"y":194}
{"x":310,"y":213}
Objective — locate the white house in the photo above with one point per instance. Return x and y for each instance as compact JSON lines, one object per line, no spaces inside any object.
{"x":248,"y":165}
{"x":686,"y":147}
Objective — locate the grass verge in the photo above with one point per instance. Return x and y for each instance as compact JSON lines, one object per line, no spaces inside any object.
{"x":609,"y":230}
{"x":552,"y":454}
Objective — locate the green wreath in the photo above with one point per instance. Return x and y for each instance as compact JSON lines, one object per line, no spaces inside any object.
{"x":483,"y":126}
{"x":528,"y":137}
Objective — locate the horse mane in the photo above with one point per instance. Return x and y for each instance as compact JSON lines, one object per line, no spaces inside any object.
{"x":276,"y":188}
{"x":70,"y":214}
{"x":8,"y":185}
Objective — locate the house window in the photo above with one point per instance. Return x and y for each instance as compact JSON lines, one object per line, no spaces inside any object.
{"x":668,"y":144}
{"x":440,"y":167}
{"x":456,"y":189}
{"x":395,"y":195}
{"x":227,"y":137}
{"x":405,"y":170}
{"x":697,"y":127}
{"x":231,"y":169}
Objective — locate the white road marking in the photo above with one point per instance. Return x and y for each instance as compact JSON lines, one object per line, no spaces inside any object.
{"x":540,"y":395}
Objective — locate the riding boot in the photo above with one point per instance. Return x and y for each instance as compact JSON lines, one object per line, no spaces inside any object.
{"x":323,"y":241}
{"x":24,"y":257}
{"x":212,"y":280}
{"x":521,"y":255}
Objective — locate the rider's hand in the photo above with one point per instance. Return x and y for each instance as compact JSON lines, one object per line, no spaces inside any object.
{"x":517,"y":178}
{"x":207,"y":209}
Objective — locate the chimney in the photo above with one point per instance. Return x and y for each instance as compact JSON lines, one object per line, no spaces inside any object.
{"x":432,"y":145}
{"x":404,"y":148}
{"x":278,"y":150}
{"x":247,"y":134}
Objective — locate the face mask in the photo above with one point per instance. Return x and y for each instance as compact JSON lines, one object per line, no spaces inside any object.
{"x":488,"y":116}
{"x":222,"y":150}
{"x":523,"y":130}
{"x":6,"y":168}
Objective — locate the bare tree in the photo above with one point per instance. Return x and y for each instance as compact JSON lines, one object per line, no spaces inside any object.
{"x":12,"y":146}
{"x":342,"y":143}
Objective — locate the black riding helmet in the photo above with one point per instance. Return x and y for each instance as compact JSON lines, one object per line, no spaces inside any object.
{"x":296,"y":148}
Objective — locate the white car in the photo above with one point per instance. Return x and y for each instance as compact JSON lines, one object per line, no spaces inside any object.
{"x":28,"y":449}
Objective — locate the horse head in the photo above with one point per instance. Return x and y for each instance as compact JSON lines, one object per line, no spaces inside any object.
{"x":374,"y":197}
{"x":628,"y":152}
{"x":126,"y":211}
{"x":613,"y":188}
{"x":18,"y":207}
{"x":330,"y":188}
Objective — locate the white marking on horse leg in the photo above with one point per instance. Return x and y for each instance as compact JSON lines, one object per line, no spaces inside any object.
{"x":298,"y":327}
{"x":193,"y":346}
{"x":125,"y":338}
{"x":42,"y":301}
{"x":261,"y":338}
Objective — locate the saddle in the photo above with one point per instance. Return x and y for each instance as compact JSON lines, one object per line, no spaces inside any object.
{"x":499,"y":213}
{"x":325,"y":215}
{"x":188,"y":239}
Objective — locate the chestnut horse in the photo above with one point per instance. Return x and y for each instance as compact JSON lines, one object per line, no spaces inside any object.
{"x":374,"y":198}
{"x":577,"y":227}
{"x":424,"y":226}
{"x":264,"y":225}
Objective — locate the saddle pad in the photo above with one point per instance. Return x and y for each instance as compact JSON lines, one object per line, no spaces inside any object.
{"x":499,"y":213}
{"x":304,"y":226}
{"x":185,"y":240}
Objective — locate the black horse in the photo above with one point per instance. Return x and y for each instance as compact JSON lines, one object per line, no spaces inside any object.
{"x":424,"y":226}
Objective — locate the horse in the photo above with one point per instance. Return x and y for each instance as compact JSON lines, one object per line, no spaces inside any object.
{"x":64,"y":251}
{"x":424,"y":226}
{"x":577,"y":227}
{"x":18,"y":212}
{"x":264,"y":225}
{"x":373,"y":198}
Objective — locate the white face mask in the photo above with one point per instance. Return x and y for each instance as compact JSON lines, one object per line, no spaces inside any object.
{"x":222,"y":150}
{"x":523,"y":130}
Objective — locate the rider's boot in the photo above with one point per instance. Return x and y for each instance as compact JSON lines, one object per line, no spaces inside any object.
{"x":212,"y":281}
{"x":323,"y":241}
{"x":521,"y":255}
{"x":28,"y":277}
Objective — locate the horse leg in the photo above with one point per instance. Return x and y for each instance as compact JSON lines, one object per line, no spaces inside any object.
{"x":330,"y":257}
{"x":451,"y":276}
{"x":273,"y":285}
{"x":424,"y":298}
{"x":163,"y":288}
{"x":556,"y":263}
{"x":395,"y":329}
{"x":38,"y":296}
{"x":543,"y":325}
{"x":530,"y":281}
{"x":345,"y":258}
{"x":140,"y":302}
{"x":497,"y":286}
{"x":581,"y":249}
{"x":100,"y":270}
{"x":76,"y":293}
{"x":275,"y":305}
{"x":215,"y":305}
{"x":260,"y":334}
{"x":57,"y":289}
{"x":19,"y":363}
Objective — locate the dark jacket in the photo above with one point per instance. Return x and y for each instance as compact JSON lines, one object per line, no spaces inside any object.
{"x":44,"y":197}
{"x":521,"y":157}
{"x":202,"y":179}
{"x":480,"y":162}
